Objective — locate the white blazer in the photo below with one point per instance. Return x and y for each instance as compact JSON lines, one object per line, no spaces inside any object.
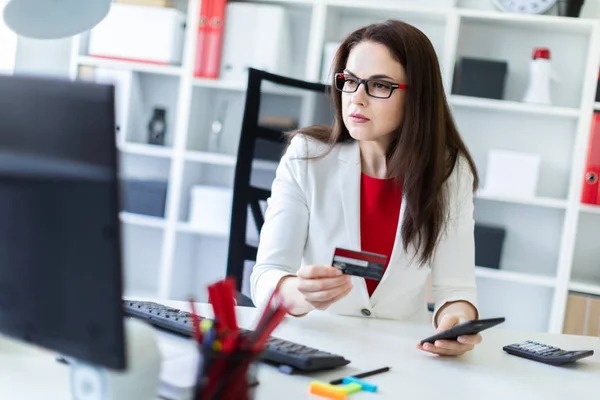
{"x":315,"y":207}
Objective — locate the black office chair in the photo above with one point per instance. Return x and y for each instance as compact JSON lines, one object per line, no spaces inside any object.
{"x":247,"y":197}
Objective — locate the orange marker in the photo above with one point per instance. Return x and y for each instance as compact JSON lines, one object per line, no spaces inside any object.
{"x":326,"y":390}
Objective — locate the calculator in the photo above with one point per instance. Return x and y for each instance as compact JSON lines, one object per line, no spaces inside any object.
{"x":545,"y":353}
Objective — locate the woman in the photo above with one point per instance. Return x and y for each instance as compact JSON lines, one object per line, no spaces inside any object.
{"x":392,"y":176}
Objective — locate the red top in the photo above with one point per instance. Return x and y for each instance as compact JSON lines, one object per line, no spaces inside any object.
{"x":380,"y":201}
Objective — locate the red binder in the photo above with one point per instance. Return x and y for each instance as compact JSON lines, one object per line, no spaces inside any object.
{"x":201,"y":37}
{"x":590,"y":192}
{"x":211,"y":61}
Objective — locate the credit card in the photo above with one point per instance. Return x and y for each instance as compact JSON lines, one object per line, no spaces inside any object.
{"x":360,"y":263}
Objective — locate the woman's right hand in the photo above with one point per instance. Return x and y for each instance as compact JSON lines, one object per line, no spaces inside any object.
{"x":322,"y":285}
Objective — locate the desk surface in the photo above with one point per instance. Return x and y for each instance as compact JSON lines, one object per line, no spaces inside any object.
{"x":486,"y":372}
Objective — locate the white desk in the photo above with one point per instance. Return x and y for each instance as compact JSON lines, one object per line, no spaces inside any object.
{"x":485,"y":373}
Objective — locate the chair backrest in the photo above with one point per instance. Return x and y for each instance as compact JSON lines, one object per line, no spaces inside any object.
{"x":247,"y":197}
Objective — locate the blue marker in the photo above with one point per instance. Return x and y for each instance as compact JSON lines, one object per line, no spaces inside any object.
{"x":367,"y":387}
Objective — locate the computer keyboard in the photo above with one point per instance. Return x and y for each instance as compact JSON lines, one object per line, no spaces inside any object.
{"x":277,"y":351}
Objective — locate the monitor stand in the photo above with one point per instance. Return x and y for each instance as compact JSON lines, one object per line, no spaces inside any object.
{"x":139,"y":381}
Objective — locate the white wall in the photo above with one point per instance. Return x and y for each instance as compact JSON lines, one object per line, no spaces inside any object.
{"x":23,"y":55}
{"x":45,"y":57}
{"x":8,"y":45}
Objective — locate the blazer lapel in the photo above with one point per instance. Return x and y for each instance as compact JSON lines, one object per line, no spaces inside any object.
{"x":349,"y":185}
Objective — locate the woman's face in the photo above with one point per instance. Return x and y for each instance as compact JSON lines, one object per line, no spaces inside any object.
{"x":368,"y":118}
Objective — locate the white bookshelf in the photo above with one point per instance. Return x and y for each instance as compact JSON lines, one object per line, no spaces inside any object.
{"x":550,"y":247}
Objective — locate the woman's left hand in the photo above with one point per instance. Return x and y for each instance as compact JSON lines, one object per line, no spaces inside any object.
{"x":451,"y":347}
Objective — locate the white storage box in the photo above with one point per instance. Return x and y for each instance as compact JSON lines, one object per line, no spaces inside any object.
{"x":210,"y":212}
{"x":512,"y":174}
{"x":210,"y":209}
{"x":256,"y":35}
{"x":139,"y":33}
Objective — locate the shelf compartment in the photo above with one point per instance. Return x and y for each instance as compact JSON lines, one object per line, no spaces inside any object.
{"x":512,"y":38}
{"x":149,"y":93}
{"x":343,"y":17}
{"x":527,"y":308}
{"x":210,"y":107}
{"x":199,"y":261}
{"x":586,"y":256}
{"x":142,"y":255}
{"x":533,"y":235}
{"x":552,"y":140}
{"x":197,"y":174}
{"x":143,"y":166}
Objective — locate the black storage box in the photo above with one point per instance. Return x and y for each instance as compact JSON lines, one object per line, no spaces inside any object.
{"x":147,"y":197}
{"x":269,"y":150}
{"x":480,"y":78}
{"x":489,"y":241}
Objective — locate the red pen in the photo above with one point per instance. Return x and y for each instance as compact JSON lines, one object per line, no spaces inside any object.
{"x":221,"y":296}
{"x":196,"y":322}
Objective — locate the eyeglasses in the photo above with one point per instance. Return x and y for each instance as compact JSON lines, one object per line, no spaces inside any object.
{"x":374,"y":87}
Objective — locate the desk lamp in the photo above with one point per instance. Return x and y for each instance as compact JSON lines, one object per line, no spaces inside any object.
{"x":54,"y":19}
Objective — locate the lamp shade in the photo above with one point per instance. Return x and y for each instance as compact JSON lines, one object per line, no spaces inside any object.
{"x":54,"y":19}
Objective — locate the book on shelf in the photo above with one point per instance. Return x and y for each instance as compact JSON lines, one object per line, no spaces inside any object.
{"x":590,"y":191}
{"x":209,"y":39}
{"x":201,"y":38}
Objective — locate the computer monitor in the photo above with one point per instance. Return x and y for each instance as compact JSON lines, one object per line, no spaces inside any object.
{"x":60,"y":255}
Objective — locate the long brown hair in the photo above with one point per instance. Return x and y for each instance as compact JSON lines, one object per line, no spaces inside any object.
{"x":426,"y":146}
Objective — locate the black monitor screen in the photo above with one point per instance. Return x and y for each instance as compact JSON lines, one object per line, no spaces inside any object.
{"x":60,"y":264}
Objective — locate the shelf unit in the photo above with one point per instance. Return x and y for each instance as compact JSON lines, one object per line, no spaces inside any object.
{"x":548,"y":249}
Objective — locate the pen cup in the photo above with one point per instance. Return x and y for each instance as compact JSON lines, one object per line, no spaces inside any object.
{"x":226,"y":376}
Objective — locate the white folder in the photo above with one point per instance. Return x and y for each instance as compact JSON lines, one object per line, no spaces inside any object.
{"x":256,"y":35}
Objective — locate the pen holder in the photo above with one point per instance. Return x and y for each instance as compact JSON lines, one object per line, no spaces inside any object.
{"x":226,"y":376}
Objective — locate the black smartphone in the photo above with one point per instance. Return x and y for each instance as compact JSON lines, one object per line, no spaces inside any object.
{"x":466,"y":328}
